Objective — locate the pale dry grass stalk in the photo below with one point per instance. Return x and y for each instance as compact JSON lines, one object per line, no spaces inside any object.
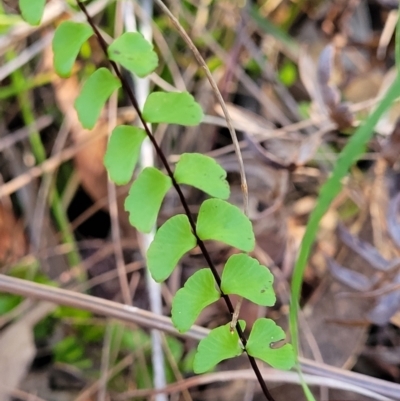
{"x":144,"y":318}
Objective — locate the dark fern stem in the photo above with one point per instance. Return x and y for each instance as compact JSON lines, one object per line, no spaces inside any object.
{"x":161,"y":155}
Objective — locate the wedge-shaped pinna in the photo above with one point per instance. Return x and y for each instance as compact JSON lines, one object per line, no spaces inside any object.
{"x":172,"y":240}
{"x":263,"y":343}
{"x":220,"y":344}
{"x":198,"y":292}
{"x":134,"y":53}
{"x":220,"y":221}
{"x":123,"y":152}
{"x":172,"y":108}
{"x":244,"y":276}
{"x":93,"y":96}
{"x":32,"y":10}
{"x":67,"y":42}
{"x":202,"y":172}
{"x":264,"y":335}
{"x":145,"y":198}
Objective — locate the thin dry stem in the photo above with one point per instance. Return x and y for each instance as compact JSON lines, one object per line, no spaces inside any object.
{"x":47,"y":166}
{"x":142,"y":90}
{"x":144,"y":318}
{"x":113,"y":207}
{"x":218,"y":95}
{"x":126,"y":313}
{"x":270,"y":375}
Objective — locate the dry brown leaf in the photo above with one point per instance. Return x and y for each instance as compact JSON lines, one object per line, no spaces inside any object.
{"x":17,"y":348}
{"x":12,"y":238}
{"x":339,"y":112}
{"x":391,"y":149}
{"x":364,"y":86}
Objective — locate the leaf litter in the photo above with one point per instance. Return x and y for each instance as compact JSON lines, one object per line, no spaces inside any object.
{"x":285,"y":164}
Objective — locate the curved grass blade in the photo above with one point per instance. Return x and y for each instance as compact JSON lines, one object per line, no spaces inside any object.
{"x":352,"y":151}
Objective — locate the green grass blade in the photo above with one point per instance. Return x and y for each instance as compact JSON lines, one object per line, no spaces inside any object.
{"x":352,"y":151}
{"x":397,"y":49}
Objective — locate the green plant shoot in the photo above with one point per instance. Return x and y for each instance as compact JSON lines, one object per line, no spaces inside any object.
{"x":217,"y":220}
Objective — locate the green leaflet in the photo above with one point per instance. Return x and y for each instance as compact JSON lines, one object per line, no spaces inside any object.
{"x":68,"y":40}
{"x":32,"y":10}
{"x":94,"y":94}
{"x":145,"y":197}
{"x":244,"y":276}
{"x":172,"y":108}
{"x":220,"y":221}
{"x":198,"y":292}
{"x":204,"y":173}
{"x":134,"y":53}
{"x":260,"y":345}
{"x":172,"y":240}
{"x":123,"y":151}
{"x":220,"y":344}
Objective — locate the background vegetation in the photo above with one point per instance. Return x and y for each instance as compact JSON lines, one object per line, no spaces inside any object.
{"x":301,"y":81}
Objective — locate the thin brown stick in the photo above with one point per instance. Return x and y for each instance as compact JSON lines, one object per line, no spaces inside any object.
{"x":11,"y":139}
{"x":47,"y":166}
{"x":103,"y":307}
{"x":218,"y":95}
{"x":144,"y":318}
{"x":113,"y":209}
{"x":87,"y":393}
{"x":269,"y":374}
